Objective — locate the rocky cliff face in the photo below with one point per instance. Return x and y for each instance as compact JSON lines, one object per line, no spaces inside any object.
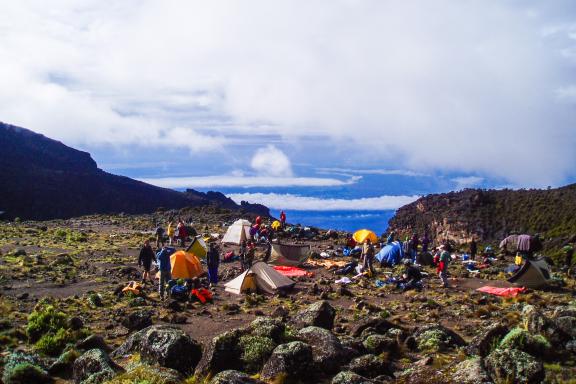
{"x":45,"y":179}
{"x":490,"y":215}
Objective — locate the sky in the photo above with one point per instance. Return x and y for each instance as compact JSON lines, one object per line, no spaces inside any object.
{"x":326,"y":94}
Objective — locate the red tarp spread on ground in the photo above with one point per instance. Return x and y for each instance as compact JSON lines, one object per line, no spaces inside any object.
{"x":291,"y":271}
{"x":506,"y":292}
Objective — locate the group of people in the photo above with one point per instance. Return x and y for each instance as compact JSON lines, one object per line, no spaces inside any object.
{"x":173,"y":234}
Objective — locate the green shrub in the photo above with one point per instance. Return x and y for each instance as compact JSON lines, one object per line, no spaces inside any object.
{"x":26,"y":373}
{"x":53,"y":344}
{"x":45,"y":320}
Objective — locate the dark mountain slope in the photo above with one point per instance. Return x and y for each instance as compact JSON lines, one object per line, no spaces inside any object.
{"x":491,"y":215}
{"x":45,"y":179}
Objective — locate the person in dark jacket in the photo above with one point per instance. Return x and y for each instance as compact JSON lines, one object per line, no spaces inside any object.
{"x":163,"y":257}
{"x":473,"y":249}
{"x":213,"y":262}
{"x":145,"y":260}
{"x":414,"y":247}
{"x":411,"y":278}
{"x":425,"y":243}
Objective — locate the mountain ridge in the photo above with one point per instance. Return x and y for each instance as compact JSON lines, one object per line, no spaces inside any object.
{"x":45,"y":179}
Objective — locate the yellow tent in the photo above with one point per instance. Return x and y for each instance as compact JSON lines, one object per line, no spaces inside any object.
{"x":275,"y":225}
{"x":198,"y":247}
{"x":185,"y":265}
{"x":363,"y":234}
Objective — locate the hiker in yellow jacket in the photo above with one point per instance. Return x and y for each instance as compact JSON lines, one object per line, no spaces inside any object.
{"x":170,"y":232}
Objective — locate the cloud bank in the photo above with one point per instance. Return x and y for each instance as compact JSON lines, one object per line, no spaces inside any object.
{"x":481,"y":86}
{"x":304,"y":203}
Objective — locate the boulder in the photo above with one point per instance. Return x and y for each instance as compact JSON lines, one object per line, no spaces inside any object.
{"x":567,"y":324}
{"x":379,"y":325}
{"x":255,"y":351}
{"x":137,"y":321}
{"x":268,"y":327}
{"x":64,"y":364}
{"x":21,"y":368}
{"x":368,"y":366}
{"x":146,"y":374}
{"x":471,"y":371}
{"x":327,"y":351}
{"x":234,"y":377}
{"x":75,"y":323}
{"x":319,"y":314}
{"x":437,"y":338}
{"x":222,"y":353}
{"x":94,"y":367}
{"x":513,"y":366}
{"x":164,"y":345}
{"x":377,"y":344}
{"x":563,"y":311}
{"x":522,"y":340}
{"x":93,"y":342}
{"x":484,"y":342}
{"x":349,"y":377}
{"x":538,"y":324}
{"x":291,"y":361}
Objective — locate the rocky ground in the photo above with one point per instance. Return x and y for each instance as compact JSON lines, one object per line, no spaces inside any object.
{"x":64,"y":321}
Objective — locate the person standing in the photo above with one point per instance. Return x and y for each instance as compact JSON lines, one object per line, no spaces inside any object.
{"x":243,"y":250}
{"x":282,"y":219}
{"x":159,"y":236}
{"x":213,"y":262}
{"x":250,"y":254}
{"x":473,"y":249}
{"x":145,"y":260}
{"x":368,"y":257}
{"x":425,"y":243}
{"x":170,"y":232}
{"x":443,"y":263}
{"x":164,"y":268}
{"x":414,"y":247}
{"x":182,"y":233}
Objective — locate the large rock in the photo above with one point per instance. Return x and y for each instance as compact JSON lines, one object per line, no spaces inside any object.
{"x":379,"y":325}
{"x":290,"y":361}
{"x":513,"y":366}
{"x":319,"y":314}
{"x":327,"y":351}
{"x":64,"y":364}
{"x":164,"y":345}
{"x":349,"y":377}
{"x":222,"y":353}
{"x":369,"y":366}
{"x":94,"y":367}
{"x":137,"y":321}
{"x":538,"y":324}
{"x":563,"y":311}
{"x":93,"y":342}
{"x":255,"y":351}
{"x":522,"y":340}
{"x":436,"y":338}
{"x":377,"y":344}
{"x":484,"y":342}
{"x":268,"y":327}
{"x":234,"y":377}
{"x":567,"y":324}
{"x":471,"y":371}
{"x":21,"y":368}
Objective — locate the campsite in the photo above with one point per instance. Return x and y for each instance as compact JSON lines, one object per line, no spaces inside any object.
{"x":276,"y":321}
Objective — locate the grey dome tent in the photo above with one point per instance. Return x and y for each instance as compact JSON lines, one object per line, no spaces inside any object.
{"x":289,"y":254}
{"x":533,"y":274}
{"x":259,"y":277}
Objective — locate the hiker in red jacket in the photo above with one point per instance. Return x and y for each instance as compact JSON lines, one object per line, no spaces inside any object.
{"x":282,"y":219}
{"x":182,"y":233}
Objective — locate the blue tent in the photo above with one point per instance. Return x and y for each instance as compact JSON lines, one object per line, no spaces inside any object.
{"x":391,"y":254}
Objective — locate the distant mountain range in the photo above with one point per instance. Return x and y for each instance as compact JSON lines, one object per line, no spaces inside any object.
{"x":491,"y":215}
{"x":44,"y":179}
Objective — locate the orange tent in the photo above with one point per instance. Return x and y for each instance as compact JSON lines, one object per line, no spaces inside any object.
{"x":185,"y":265}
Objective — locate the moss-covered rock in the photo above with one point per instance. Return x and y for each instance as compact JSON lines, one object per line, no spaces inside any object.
{"x":21,"y":368}
{"x":471,"y":371}
{"x":319,"y":314}
{"x":222,"y":353}
{"x":148,"y":375}
{"x":377,"y":344}
{"x":234,"y":377}
{"x":349,"y":377}
{"x":369,"y":366}
{"x":487,"y":340}
{"x":63,"y":366}
{"x":289,"y":362}
{"x":327,"y":351}
{"x":437,"y":338}
{"x":255,"y":351}
{"x":520,"y":339}
{"x":94,"y":367}
{"x":268,"y":327}
{"x":513,"y":366}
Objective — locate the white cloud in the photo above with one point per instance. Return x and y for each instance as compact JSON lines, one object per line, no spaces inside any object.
{"x":246,"y":181}
{"x":465,"y":86}
{"x":271,"y":161}
{"x":467,"y":181}
{"x":304,"y":203}
{"x":398,"y":172}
